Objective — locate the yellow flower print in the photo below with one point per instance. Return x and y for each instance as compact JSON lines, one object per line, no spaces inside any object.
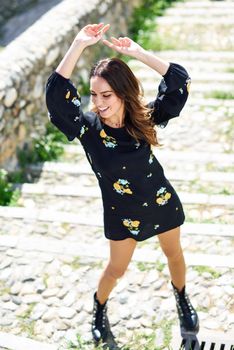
{"x":108,"y":141}
{"x":167,"y":196}
{"x":188,"y":84}
{"x":135,"y":223}
{"x":122,"y":186}
{"x":126,"y":222}
{"x":74,"y":100}
{"x":162,"y":196}
{"x":133,"y":226}
{"x":103,"y":134}
{"x":117,"y":186}
{"x":159,"y":201}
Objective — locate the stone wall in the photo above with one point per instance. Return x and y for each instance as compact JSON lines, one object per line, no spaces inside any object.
{"x":26,"y":63}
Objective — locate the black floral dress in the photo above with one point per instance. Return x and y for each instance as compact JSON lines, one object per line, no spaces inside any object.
{"x":138,"y":201}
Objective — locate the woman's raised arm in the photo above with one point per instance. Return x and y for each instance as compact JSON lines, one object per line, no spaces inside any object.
{"x":126,"y":46}
{"x":89,"y":35}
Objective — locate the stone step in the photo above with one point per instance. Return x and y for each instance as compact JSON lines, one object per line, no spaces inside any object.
{"x":94,"y":192}
{"x":224,"y":21}
{"x":212,"y":78}
{"x":85,"y":169}
{"x":195,"y":55}
{"x":178,"y":11}
{"x":205,"y":102}
{"x":219,"y":37}
{"x":194,"y":157}
{"x":196,"y":87}
{"x":100,"y":251}
{"x":94,"y":220}
{"x":169,"y":162}
{"x":206,"y":4}
{"x":56,"y":286}
{"x":14,"y":342}
{"x":193,"y":66}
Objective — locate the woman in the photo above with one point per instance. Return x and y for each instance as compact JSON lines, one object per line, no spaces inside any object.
{"x":139,"y":202}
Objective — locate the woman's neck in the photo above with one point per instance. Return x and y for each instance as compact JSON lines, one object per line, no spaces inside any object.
{"x":114,"y":124}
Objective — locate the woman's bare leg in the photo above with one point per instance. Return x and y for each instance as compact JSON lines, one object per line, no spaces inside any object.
{"x":120,"y":256}
{"x":170,"y":244}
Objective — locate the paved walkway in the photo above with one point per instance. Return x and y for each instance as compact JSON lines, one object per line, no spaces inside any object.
{"x":52,"y":246}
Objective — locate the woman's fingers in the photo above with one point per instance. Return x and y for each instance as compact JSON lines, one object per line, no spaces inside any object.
{"x":108,"y":43}
{"x":104,"y":29}
{"x":96,"y":29}
{"x":121,"y":42}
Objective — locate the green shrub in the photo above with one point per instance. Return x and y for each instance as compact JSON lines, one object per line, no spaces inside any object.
{"x":222,"y":95}
{"x":6,"y":190}
{"x":44,"y":148}
{"x":8,"y":195}
{"x":143,"y":21}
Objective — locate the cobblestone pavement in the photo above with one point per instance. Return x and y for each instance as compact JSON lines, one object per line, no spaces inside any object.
{"x":52,"y":246}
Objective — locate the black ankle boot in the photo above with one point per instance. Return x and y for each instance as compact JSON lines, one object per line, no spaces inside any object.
{"x":188,"y":317}
{"x":100,"y":323}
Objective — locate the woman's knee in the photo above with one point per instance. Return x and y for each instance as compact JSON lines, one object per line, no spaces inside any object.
{"x":114,"y":272}
{"x":173,"y":253}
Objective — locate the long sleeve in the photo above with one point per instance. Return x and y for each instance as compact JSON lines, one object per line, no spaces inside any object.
{"x":63,"y":104}
{"x":172,"y":95}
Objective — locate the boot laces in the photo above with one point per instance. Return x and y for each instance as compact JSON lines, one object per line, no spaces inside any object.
{"x":184,"y":305}
{"x":99,"y":317}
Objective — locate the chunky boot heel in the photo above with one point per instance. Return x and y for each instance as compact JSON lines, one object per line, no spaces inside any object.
{"x":100,"y":323}
{"x":188,"y":317}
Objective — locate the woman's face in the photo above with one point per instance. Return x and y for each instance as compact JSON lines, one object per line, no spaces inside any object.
{"x":108,"y":104}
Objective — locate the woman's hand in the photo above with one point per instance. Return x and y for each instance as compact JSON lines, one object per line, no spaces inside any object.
{"x":125,"y":45}
{"x":91,"y":34}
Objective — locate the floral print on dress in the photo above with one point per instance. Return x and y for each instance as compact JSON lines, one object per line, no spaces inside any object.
{"x":162,"y":196}
{"x":132,"y":226}
{"x":122,"y":186}
{"x":108,"y":141}
{"x":83,"y":130}
{"x":73,"y":100}
{"x":188,"y":83}
{"x":151,"y":157}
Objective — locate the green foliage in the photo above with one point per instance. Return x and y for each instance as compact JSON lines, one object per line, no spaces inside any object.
{"x":6,"y":190}
{"x":8,"y":195}
{"x":47,"y":147}
{"x":201,"y":269}
{"x":83,"y":87}
{"x":222,"y":95}
{"x":230,"y":70}
{"x":44,"y":148}
{"x":143,"y":22}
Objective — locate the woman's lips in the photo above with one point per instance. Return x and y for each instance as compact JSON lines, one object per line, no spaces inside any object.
{"x":102,"y":110}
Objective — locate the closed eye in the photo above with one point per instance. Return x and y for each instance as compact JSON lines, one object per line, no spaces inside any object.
{"x":106,"y":96}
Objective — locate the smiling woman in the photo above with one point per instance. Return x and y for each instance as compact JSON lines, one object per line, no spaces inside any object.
{"x":138,"y":200}
{"x":124,"y":103}
{"x":106,"y":103}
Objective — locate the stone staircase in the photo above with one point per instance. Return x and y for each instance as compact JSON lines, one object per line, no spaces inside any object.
{"x":52,"y":245}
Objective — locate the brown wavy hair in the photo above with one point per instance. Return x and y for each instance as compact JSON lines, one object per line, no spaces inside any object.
{"x":126,"y":86}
